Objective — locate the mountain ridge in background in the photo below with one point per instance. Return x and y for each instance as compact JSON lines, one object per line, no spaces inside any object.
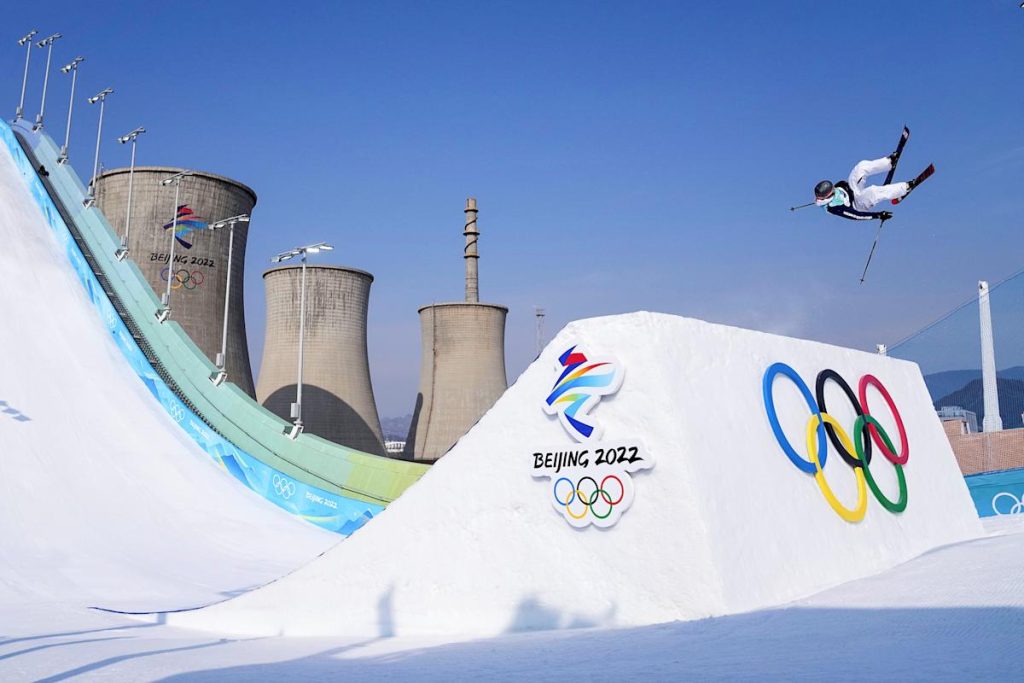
{"x":964,"y":388}
{"x":396,"y":428}
{"x":943,"y":383}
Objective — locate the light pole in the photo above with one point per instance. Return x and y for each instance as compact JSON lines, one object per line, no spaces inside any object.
{"x":296,"y":412}
{"x":100,"y":97}
{"x":162,"y":314}
{"x":72,"y":68}
{"x":131,"y":137}
{"x":538,"y":313}
{"x":48,"y":44}
{"x":222,"y":374}
{"x":27,"y":43}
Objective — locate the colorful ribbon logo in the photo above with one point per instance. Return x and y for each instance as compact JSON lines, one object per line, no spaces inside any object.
{"x":187,"y":223}
{"x":823,"y":428}
{"x":579,"y":387}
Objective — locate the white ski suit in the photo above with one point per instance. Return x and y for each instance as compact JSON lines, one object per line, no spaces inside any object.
{"x":865,"y":197}
{"x":854,"y":198}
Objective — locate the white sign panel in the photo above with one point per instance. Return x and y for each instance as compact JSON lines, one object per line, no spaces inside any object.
{"x":590,"y":482}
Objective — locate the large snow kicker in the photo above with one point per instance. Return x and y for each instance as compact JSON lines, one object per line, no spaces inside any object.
{"x":104,"y":500}
{"x":733,"y":516}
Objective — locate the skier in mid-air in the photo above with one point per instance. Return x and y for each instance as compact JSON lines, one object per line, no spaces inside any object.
{"x":854,"y":198}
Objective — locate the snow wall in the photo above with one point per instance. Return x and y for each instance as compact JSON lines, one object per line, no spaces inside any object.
{"x":723,"y":522}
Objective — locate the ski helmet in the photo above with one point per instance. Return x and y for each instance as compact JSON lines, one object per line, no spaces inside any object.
{"x":823,"y":192}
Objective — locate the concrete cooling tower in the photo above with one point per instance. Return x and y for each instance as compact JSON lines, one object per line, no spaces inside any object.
{"x":337,"y":397}
{"x":462,"y":367}
{"x":199,"y":277}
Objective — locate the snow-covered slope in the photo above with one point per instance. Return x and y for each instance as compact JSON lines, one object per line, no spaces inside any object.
{"x":103,"y":499}
{"x":723,"y":523}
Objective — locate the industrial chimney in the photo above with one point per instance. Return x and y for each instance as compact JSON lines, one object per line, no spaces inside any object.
{"x":337,"y":397}
{"x":462,"y":363}
{"x":198,"y":277}
{"x":992,"y":421}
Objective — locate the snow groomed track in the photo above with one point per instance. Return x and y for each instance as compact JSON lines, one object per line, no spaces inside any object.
{"x":332,"y":486}
{"x":104,"y":500}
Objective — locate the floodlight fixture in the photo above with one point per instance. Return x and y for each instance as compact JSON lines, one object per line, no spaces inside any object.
{"x":176,"y":178}
{"x":163,"y":313}
{"x":284,"y":256}
{"x":296,"y":408}
{"x":25,"y":42}
{"x":100,"y":96}
{"x":241,"y":218}
{"x":49,"y":40}
{"x":132,"y":136}
{"x":48,"y":44}
{"x":72,"y":65}
{"x":222,"y":374}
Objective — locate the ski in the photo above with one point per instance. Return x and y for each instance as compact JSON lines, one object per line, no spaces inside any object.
{"x":925,"y":175}
{"x":899,"y":152}
{"x":888,"y":179}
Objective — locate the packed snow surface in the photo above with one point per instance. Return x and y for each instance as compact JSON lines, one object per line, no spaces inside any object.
{"x":953,"y":614}
{"x":103,"y":500}
{"x":723,"y":523}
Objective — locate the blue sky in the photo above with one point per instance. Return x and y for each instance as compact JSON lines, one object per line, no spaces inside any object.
{"x":625,"y":156}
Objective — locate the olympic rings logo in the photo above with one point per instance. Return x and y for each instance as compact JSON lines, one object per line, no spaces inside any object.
{"x":1016,"y":506}
{"x":593,"y":499}
{"x":176,"y":411}
{"x":284,"y":487}
{"x":183,"y":278}
{"x":822,"y":428}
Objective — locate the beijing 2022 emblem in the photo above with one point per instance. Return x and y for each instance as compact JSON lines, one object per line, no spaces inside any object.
{"x":590,"y":480}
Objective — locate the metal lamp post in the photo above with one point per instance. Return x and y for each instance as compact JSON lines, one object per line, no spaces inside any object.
{"x":27,"y":43}
{"x":100,"y":97}
{"x":222,"y":374}
{"x":162,"y":314}
{"x":131,"y":137}
{"x":72,"y":68}
{"x":48,"y":44}
{"x":539,"y":313}
{"x":296,"y":411}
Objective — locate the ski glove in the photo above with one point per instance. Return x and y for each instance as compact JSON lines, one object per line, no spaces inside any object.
{"x":885,"y":215}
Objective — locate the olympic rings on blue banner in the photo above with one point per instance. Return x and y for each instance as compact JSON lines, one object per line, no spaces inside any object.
{"x":855,"y":452}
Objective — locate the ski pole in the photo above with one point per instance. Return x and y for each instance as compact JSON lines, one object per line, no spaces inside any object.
{"x":878,"y":234}
{"x":802,"y":206}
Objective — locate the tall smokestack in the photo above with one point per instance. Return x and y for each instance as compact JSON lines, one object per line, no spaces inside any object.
{"x":462,"y":364}
{"x":992,"y":422}
{"x":470,"y":253}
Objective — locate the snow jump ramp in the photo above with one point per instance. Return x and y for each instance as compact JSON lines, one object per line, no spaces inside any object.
{"x":103,"y":498}
{"x":712,"y":504}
